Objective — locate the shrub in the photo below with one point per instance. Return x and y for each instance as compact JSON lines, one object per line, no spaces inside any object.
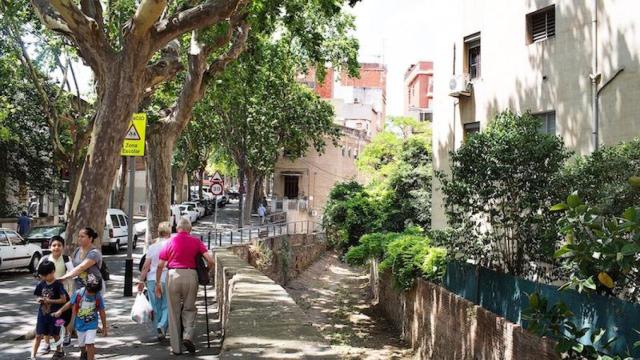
{"x":502,"y":181}
{"x":350,"y":213}
{"x":407,"y":255}
{"x":601,"y":178}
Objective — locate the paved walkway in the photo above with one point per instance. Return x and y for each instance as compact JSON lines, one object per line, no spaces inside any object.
{"x":126,"y":340}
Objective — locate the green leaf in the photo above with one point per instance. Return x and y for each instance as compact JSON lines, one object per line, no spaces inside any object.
{"x":589,"y":283}
{"x":573,"y":200}
{"x":559,"y":207}
{"x":630,"y":249}
{"x":630,"y":214}
{"x":564,"y":251}
{"x":534,"y":300}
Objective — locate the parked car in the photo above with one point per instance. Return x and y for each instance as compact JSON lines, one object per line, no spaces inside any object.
{"x":41,"y":235}
{"x":197,"y":206}
{"x":222,"y":201}
{"x":233,"y":195}
{"x":16,"y":253}
{"x":116,"y":231}
{"x":190,"y":212}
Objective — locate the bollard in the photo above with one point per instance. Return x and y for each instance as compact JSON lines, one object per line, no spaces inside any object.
{"x":209,"y":240}
{"x":231,"y":234}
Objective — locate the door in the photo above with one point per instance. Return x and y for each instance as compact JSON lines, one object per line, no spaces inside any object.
{"x":124,"y":229}
{"x":291,"y":186}
{"x":20,"y":255}
{"x":5,"y":252}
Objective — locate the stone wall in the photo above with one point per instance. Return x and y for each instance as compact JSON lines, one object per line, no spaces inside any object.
{"x":441,"y":325}
{"x":259,"y":319}
{"x":285,"y":257}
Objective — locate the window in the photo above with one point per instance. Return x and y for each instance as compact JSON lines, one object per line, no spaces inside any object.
{"x":14,"y":238}
{"x":541,"y":25}
{"x":472,"y":51}
{"x":291,"y":187}
{"x":114,"y":220}
{"x":426,"y":116}
{"x":343,"y":152}
{"x":123,"y":220}
{"x":349,"y":153}
{"x":3,"y":239}
{"x":470,"y":129}
{"x":547,"y":122}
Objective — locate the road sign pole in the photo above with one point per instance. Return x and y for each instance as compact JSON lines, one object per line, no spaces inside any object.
{"x":128,"y":275}
{"x":215,"y":213}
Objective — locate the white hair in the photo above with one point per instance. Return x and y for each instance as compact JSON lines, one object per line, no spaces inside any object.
{"x":184,"y":224}
{"x":164,"y":228}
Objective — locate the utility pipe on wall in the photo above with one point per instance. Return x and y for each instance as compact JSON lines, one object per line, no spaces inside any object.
{"x":595,"y":75}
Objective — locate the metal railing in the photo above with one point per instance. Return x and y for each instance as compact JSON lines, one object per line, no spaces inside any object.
{"x":247,"y":234}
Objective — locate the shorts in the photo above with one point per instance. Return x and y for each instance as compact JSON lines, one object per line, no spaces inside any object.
{"x":46,"y":325}
{"x":87,"y":337}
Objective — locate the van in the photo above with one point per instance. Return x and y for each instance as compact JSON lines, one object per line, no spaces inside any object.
{"x":116,"y":231}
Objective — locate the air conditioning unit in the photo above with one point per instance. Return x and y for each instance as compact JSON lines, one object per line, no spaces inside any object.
{"x":460,"y":85}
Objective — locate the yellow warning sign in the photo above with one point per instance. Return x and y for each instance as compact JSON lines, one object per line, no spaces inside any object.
{"x":134,"y":140}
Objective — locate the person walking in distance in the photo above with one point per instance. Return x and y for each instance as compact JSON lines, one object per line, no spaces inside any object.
{"x":262,"y":212}
{"x":179,"y":255}
{"x":24,"y":224}
{"x":160,"y":306}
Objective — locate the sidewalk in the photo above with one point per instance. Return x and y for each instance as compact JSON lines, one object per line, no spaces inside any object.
{"x":128,"y":340}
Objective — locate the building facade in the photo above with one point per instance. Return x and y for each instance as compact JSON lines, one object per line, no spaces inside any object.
{"x":418,"y":91}
{"x":360,"y":109}
{"x":575,"y":64}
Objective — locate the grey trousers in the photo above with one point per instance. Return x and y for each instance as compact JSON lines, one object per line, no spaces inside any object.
{"x":182,"y":290}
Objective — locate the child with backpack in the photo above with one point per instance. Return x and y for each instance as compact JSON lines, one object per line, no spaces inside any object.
{"x":87,"y":304}
{"x":51,"y":297}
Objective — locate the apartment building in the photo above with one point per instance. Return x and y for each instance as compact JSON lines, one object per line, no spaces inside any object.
{"x":360,"y":109}
{"x":418,"y":93}
{"x":575,"y":64}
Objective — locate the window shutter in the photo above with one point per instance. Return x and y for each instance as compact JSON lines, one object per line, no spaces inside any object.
{"x":542,"y":25}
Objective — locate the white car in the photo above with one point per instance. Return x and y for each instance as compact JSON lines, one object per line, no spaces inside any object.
{"x":116,"y":231}
{"x":190,"y":212}
{"x":175,"y":215}
{"x":197,"y":206}
{"x":15,"y":252}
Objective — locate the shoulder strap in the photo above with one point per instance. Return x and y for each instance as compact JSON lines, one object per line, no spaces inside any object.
{"x":65,"y":258}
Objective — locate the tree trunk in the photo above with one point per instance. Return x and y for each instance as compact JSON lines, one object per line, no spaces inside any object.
{"x":258,"y":193}
{"x":160,"y":147}
{"x":200,"y":181}
{"x":180,"y":185}
{"x":241,"y":191}
{"x":118,"y":101}
{"x":251,"y":187}
{"x":121,"y":185}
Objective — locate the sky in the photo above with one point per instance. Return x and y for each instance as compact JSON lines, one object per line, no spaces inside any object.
{"x":397,"y":33}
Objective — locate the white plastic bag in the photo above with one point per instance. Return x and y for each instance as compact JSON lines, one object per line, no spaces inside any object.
{"x":141,"y":312}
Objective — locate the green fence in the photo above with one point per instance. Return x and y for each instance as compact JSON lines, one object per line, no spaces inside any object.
{"x":506,"y":295}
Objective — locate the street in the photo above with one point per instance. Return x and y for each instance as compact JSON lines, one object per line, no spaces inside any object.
{"x":18,"y":310}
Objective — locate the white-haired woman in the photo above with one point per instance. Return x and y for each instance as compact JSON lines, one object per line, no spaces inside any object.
{"x":179,"y":255}
{"x":148,"y":273}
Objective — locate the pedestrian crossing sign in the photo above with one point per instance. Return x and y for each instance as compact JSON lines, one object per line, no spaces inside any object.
{"x":134,"y":139}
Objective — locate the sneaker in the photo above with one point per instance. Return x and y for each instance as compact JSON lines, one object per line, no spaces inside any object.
{"x":161,"y":335}
{"x":45,"y":349}
{"x":58,"y":355}
{"x":189,"y":345}
{"x":83,"y":355}
{"x":67,"y":340}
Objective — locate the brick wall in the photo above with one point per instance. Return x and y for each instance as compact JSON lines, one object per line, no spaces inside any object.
{"x":292,"y":254}
{"x":442,"y":325}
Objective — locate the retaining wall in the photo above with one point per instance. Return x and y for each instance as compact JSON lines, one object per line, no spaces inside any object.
{"x":289,"y":255}
{"x":441,"y":325}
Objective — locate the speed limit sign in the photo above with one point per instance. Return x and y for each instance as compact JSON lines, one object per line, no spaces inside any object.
{"x":216,"y":189}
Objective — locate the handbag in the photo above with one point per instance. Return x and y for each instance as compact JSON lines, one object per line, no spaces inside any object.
{"x":202,"y":270}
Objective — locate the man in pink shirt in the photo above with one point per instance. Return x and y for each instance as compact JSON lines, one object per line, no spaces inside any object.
{"x":179,"y":255}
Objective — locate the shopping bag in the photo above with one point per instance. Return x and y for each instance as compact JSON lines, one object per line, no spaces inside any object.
{"x":141,"y":312}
